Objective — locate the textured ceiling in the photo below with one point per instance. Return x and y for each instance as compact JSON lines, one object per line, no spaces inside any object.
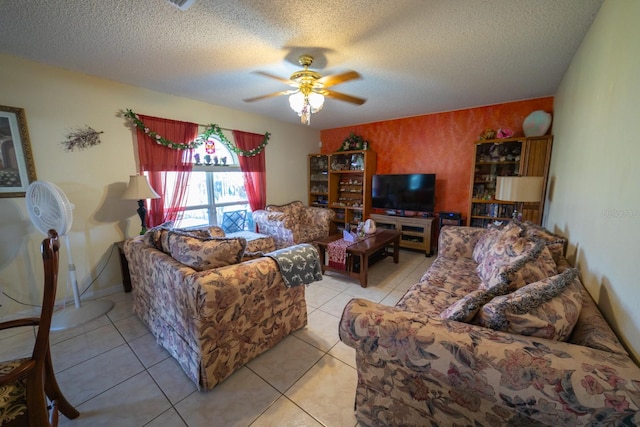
{"x":415,"y":56}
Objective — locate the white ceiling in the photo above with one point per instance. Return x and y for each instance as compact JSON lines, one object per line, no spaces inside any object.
{"x":415,"y":56}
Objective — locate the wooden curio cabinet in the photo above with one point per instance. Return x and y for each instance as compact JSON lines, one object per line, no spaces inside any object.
{"x":506,"y":157}
{"x":319,"y":180}
{"x":350,"y":174}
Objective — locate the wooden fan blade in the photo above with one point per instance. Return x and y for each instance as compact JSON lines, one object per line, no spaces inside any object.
{"x":272,"y":76}
{"x":343,"y":97}
{"x":271,"y":95}
{"x":336,"y":79}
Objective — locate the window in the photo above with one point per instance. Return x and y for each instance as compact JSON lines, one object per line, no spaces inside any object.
{"x":216,"y":187}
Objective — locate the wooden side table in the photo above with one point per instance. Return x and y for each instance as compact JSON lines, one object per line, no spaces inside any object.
{"x":124,"y":267}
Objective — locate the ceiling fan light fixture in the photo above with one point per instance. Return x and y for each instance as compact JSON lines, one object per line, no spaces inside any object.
{"x":304,"y":105}
{"x":316,"y":101}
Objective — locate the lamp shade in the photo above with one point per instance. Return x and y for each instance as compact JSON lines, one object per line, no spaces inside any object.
{"x":519,"y":188}
{"x":139,"y":189}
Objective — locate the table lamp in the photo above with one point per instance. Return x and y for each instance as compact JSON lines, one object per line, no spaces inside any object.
{"x":140,"y":190}
{"x":519,"y":189}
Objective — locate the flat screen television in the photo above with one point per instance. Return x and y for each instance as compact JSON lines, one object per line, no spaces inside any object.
{"x":404,"y":192}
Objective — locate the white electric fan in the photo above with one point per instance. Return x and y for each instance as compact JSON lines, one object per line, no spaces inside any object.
{"x":49,"y":208}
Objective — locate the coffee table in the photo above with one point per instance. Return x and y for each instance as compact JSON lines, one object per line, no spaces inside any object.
{"x":362,"y":249}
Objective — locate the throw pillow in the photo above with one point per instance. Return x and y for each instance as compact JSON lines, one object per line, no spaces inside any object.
{"x":486,"y":241}
{"x":546,"y":309}
{"x":554,"y":242}
{"x":466,"y":307}
{"x":199,"y":233}
{"x":204,"y":254}
{"x":518,"y":263}
{"x":153,"y":236}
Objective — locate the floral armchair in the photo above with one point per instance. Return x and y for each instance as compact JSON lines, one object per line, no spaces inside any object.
{"x":293,"y":223}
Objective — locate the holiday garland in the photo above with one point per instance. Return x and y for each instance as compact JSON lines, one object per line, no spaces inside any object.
{"x":210,"y":129}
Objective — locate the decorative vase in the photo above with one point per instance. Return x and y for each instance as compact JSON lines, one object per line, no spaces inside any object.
{"x":536,"y":123}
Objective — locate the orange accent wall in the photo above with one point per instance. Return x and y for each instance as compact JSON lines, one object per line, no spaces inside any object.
{"x":441,"y":143}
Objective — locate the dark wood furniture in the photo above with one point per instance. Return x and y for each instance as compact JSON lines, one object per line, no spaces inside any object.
{"x":362,"y":250}
{"x":416,"y":232}
{"x":27,"y":382}
{"x":506,"y":157}
{"x":124,"y":267}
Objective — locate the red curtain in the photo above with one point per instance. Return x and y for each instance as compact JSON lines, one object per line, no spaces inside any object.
{"x":255,"y":181}
{"x":157,"y":160}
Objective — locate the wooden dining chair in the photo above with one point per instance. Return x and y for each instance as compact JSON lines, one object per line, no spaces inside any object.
{"x":27,"y":383}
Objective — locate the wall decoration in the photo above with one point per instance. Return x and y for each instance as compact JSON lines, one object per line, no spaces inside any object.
{"x":354,"y":142}
{"x":17,"y":168}
{"x":210,"y":129}
{"x":82,"y":138}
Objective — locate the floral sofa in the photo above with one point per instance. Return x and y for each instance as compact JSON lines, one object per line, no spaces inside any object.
{"x":293,"y":223}
{"x":499,"y":331}
{"x":212,"y":301}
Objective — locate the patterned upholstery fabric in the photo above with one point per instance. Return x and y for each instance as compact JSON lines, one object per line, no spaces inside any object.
{"x":293,"y":223}
{"x":14,"y":396}
{"x":158,"y":236}
{"x":546,"y":309}
{"x":417,"y":369}
{"x":204,"y":254}
{"x":213,"y":321}
{"x":257,"y":244}
{"x":554,"y":242}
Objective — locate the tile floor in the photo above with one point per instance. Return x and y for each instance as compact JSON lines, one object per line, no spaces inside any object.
{"x":116,"y":375}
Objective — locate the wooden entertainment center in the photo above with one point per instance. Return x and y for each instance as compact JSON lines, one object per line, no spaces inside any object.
{"x":416,"y":231}
{"x":342,"y":182}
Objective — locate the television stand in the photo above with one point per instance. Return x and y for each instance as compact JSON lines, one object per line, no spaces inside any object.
{"x":415,"y":232}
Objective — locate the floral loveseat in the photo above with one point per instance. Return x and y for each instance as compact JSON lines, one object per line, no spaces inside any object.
{"x":485,"y":340}
{"x":293,"y":223}
{"x":212,"y":301}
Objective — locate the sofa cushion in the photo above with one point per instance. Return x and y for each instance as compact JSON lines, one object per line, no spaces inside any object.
{"x":486,"y":241}
{"x":468,"y":306}
{"x":200,"y":233}
{"x":294,"y":209}
{"x":205,"y":253}
{"x":547,"y":309}
{"x":518,"y":263}
{"x":554,"y":242}
{"x":153,"y":236}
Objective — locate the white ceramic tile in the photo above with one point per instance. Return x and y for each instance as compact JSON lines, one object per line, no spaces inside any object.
{"x":122,"y":307}
{"x":172,"y":380}
{"x":321,"y":330}
{"x":131,"y":328}
{"x":284,"y":413}
{"x":134,"y":402}
{"x":285,"y":363}
{"x":343,"y":352}
{"x":148,"y":350}
{"x":237,"y":401}
{"x":65,"y":334}
{"x":335,"y":282}
{"x":393,"y":298}
{"x":169,"y":418}
{"x":318,"y":295}
{"x":83,"y":347}
{"x":17,"y":344}
{"x":98,"y":374}
{"x":335,"y":305}
{"x":370,"y":293}
{"x":327,"y":392}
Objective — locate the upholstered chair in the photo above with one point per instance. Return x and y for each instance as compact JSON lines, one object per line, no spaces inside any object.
{"x":293,"y":223}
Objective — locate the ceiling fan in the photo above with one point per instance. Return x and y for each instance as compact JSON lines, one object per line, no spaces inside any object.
{"x":310,"y":89}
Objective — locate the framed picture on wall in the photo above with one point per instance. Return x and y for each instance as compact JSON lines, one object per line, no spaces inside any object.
{"x":17,"y":168}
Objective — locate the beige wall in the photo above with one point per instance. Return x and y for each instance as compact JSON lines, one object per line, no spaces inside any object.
{"x":595,"y":166}
{"x":56,"y":101}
